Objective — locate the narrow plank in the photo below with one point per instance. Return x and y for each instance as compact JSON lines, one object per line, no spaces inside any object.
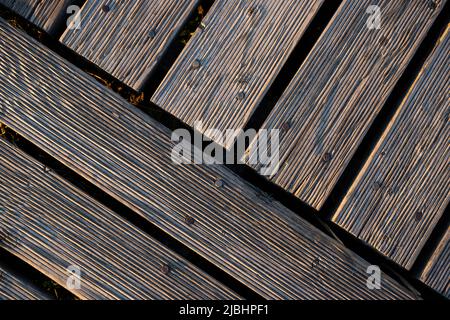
{"x":51,"y":225}
{"x":208,"y":208}
{"x":45,"y":14}
{"x":228,"y":66}
{"x":404,"y":187}
{"x":437,"y":272}
{"x":339,"y":90}
{"x":127,"y":39}
{"x":14,"y":288}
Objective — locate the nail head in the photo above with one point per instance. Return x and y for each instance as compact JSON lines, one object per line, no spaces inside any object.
{"x":165,"y":269}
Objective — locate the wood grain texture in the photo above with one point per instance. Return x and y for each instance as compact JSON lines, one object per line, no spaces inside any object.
{"x":45,"y":14}
{"x":404,"y":187}
{"x":128,"y":155}
{"x":437,"y":272}
{"x":240,"y":51}
{"x":339,"y":90}
{"x":129,"y":37}
{"x":14,"y":288}
{"x":52,"y":226}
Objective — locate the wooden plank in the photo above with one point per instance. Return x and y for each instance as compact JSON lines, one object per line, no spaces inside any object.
{"x":52,"y":225}
{"x":208,"y":208}
{"x":339,"y":90}
{"x":14,"y":288}
{"x":45,"y":14}
{"x":437,"y":272}
{"x":228,"y":66}
{"x":404,"y":187}
{"x":127,"y":39}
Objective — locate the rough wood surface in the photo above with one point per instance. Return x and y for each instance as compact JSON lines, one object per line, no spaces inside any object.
{"x":52,"y":226}
{"x":404,"y":187}
{"x":128,"y":38}
{"x":437,"y":272}
{"x":14,"y":288}
{"x":128,"y":155}
{"x":45,"y":14}
{"x":340,"y":89}
{"x":228,"y":66}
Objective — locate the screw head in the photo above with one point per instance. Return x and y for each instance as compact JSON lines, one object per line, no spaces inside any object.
{"x":377,"y":185}
{"x":327,"y":156}
{"x":240,"y":96}
{"x":219,"y":183}
{"x":189,"y":220}
{"x":106,"y":8}
{"x":286,"y":126}
{"x":432,"y":4}
{"x":152,"y":34}
{"x":196,"y":64}
{"x":419,"y":215}
{"x":165,"y":269}
{"x":384,"y":41}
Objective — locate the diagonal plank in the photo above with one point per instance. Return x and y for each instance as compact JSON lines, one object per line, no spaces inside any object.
{"x":14,"y":288}
{"x":45,"y":14}
{"x":52,"y":226}
{"x":339,"y":90}
{"x":404,"y":187}
{"x":437,"y":272}
{"x":208,"y":208}
{"x":127,"y":39}
{"x":228,"y":66}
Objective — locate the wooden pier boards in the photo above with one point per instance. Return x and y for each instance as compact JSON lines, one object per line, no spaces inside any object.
{"x":229,"y":64}
{"x":61,"y":231}
{"x":437,"y":272}
{"x":92,"y":130}
{"x":404,"y":187}
{"x":128,"y":38}
{"x":14,"y":288}
{"x":341,"y":87}
{"x":45,"y":14}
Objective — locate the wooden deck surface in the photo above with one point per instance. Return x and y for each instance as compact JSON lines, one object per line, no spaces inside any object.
{"x":227,"y":67}
{"x":437,"y":272}
{"x":338,"y":91}
{"x":404,"y":188}
{"x":53,"y":227}
{"x":15,"y":288}
{"x":396,"y":203}
{"x":128,"y":38}
{"x":127,"y":154}
{"x":45,"y":14}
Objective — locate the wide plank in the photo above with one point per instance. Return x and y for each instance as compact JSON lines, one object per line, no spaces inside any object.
{"x":340,"y":89}
{"x":437,"y":271}
{"x":404,"y":187}
{"x":208,"y":208}
{"x":53,"y":227}
{"x":13,"y":287}
{"x":127,"y":39}
{"x":227,"y":67}
{"x":45,"y":14}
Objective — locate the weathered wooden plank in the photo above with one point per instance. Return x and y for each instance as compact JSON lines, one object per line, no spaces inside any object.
{"x":45,"y":14}
{"x":228,"y":66}
{"x":52,"y":226}
{"x":339,"y":90}
{"x":208,"y":208}
{"x":15,"y":288}
{"x":404,"y":187}
{"x":127,"y":39}
{"x":437,"y":272}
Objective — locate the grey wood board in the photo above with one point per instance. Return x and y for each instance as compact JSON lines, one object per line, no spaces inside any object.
{"x":404,"y":187}
{"x":45,"y":14}
{"x":127,"y":154}
{"x":227,"y":67}
{"x":339,"y":90}
{"x":58,"y":229}
{"x":128,"y":38}
{"x":13,"y":287}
